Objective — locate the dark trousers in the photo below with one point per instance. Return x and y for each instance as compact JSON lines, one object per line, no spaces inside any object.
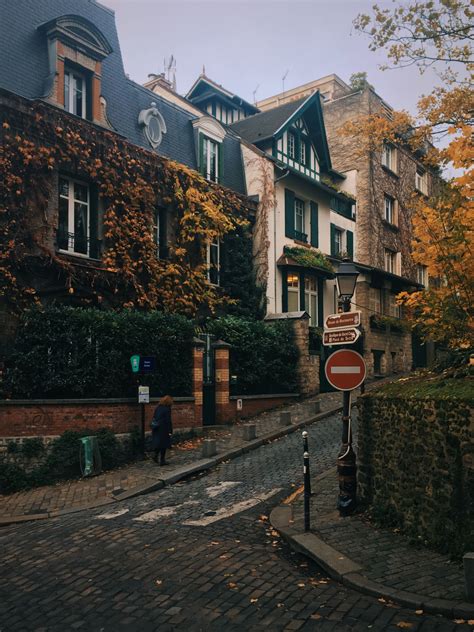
{"x":161,"y":452}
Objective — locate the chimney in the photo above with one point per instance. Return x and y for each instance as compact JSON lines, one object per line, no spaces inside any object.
{"x":159,"y":80}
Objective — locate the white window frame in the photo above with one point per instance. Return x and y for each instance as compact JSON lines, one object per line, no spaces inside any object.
{"x":303,"y":151}
{"x":300,"y":209}
{"x":375,"y":300}
{"x":389,"y":209}
{"x":291,"y":145}
{"x":294,"y":290}
{"x":71,"y":212}
{"x":310,"y":293}
{"x":422,"y":274}
{"x":388,"y":156}
{"x":213,"y":245}
{"x":207,"y":144}
{"x":390,"y":261}
{"x":70,"y":106}
{"x":339,"y":237}
{"x":421,"y":181}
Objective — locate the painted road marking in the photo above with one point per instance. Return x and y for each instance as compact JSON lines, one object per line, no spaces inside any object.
{"x":345,"y":369}
{"x":163,"y":512}
{"x":110,"y":516}
{"x":226,"y":512}
{"x":221,"y":487}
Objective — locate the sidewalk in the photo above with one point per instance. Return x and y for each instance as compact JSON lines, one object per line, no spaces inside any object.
{"x":378,"y":562}
{"x":145,"y":476}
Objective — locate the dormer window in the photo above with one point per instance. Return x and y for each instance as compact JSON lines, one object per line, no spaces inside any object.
{"x":210,"y":137}
{"x":75,"y":93}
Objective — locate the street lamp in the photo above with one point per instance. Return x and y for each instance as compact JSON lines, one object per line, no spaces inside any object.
{"x":346,"y":279}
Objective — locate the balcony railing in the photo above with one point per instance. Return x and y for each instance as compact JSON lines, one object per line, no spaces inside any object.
{"x":301,"y":236}
{"x":78,"y":244}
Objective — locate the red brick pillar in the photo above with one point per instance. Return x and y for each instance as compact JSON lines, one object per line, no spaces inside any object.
{"x":224,"y":412}
{"x":198,"y":352}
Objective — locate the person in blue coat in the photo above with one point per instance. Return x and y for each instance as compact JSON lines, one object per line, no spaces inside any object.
{"x":162,"y":428}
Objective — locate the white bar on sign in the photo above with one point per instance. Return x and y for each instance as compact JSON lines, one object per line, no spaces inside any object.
{"x":345,"y":369}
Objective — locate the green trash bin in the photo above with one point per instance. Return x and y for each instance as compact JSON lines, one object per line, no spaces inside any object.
{"x":89,"y":459}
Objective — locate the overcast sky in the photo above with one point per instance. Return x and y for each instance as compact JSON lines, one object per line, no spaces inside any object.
{"x":245,"y":44}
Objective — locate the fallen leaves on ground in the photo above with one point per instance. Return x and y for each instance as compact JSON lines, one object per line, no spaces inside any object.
{"x":315,"y":616}
{"x":231,"y":585}
{"x":253,"y":599}
{"x":159,"y":582}
{"x":404,"y":625}
{"x":418,"y":611}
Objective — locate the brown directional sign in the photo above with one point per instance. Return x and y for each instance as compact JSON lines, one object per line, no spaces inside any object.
{"x":340,"y":336}
{"x":340,"y":321}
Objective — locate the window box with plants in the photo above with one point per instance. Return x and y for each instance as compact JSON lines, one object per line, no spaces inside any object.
{"x":388,"y":323}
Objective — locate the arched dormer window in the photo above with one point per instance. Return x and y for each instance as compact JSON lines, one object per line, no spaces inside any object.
{"x":76,"y":48}
{"x":211,"y":147}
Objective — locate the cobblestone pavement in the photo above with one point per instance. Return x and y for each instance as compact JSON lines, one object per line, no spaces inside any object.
{"x":387,"y":557}
{"x":77,"y":493}
{"x":199,"y":555}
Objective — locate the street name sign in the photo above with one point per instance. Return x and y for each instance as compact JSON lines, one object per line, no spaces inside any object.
{"x":340,"y":321}
{"x":345,"y":369}
{"x":147,"y":364}
{"x":340,"y":336}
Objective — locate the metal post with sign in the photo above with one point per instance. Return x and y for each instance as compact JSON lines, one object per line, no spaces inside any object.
{"x":143,"y":398}
{"x":142,"y":365}
{"x":345,"y":370}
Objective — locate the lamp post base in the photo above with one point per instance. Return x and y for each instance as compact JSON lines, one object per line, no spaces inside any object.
{"x":347,"y":475}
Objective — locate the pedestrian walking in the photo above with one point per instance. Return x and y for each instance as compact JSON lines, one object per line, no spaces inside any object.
{"x":162,"y":428}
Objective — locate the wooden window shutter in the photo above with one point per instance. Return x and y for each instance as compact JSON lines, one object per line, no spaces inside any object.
{"x":289,"y":214}
{"x":334,"y":251}
{"x":94,"y":250}
{"x":350,"y":243}
{"x":314,"y":224}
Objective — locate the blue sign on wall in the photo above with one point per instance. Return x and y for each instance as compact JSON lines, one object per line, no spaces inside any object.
{"x":147,"y":364}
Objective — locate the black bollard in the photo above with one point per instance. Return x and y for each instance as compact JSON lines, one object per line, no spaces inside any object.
{"x":304,"y":434}
{"x":307,"y":493}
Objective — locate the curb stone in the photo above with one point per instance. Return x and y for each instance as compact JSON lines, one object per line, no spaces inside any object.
{"x":178,"y":474}
{"x":342,"y":569}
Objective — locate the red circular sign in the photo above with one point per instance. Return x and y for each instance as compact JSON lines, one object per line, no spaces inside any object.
{"x":345,"y":369}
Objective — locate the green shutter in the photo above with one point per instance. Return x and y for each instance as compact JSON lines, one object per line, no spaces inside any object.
{"x":284,"y":287}
{"x":333,"y":241}
{"x":350,"y":243}
{"x":202,"y":166}
{"x":289,"y":214}
{"x":220,"y":162}
{"x":314,"y":224}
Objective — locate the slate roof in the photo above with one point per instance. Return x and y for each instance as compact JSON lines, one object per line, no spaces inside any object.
{"x":24,"y":67}
{"x":263,"y":125}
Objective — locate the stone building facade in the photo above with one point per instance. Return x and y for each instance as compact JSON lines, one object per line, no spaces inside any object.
{"x":383,"y":184}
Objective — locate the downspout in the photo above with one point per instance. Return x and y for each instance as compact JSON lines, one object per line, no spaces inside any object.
{"x":287,"y":173}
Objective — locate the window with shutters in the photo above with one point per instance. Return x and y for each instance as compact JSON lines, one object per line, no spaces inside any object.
{"x":389,"y":157}
{"x":300,"y":234}
{"x":422,"y":274}
{"x":421,"y":181}
{"x":342,"y":242}
{"x":73,"y":234}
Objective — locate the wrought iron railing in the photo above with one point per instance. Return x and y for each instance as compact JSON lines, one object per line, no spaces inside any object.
{"x":300,"y":236}
{"x":80,"y":245}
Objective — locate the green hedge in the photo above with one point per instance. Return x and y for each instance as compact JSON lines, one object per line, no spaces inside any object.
{"x":263,"y":356}
{"x":67,"y":352}
{"x":62,"y":460}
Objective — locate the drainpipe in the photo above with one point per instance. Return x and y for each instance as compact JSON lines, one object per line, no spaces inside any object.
{"x":287,"y":173}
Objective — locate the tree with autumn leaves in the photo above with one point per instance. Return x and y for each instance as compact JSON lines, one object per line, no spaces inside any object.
{"x":436,"y":35}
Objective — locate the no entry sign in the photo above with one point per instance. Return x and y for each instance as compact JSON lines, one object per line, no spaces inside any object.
{"x":345,"y":370}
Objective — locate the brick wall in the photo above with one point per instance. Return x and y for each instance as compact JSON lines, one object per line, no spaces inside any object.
{"x":36,"y":418}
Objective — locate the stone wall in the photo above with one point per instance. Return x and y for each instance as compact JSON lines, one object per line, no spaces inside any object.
{"x":416,"y":466}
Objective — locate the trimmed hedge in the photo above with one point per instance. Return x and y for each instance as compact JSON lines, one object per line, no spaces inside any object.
{"x":263,"y":356}
{"x":67,"y":352}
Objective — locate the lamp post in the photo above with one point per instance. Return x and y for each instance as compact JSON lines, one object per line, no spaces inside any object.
{"x":346,"y":279}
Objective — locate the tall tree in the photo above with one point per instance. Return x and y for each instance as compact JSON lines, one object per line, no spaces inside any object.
{"x":438,"y":35}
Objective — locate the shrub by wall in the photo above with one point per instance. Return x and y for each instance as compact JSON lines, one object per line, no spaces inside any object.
{"x":263,"y":356}
{"x":67,"y":352}
{"x":416,"y":460}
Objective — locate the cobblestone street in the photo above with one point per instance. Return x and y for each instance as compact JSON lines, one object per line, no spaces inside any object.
{"x":199,"y":555}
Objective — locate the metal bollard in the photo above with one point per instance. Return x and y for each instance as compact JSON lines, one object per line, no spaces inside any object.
{"x":304,"y":434}
{"x":285,"y":418}
{"x":250,"y":432}
{"x":307,"y":493}
{"x":209,"y":448}
{"x":317,"y":406}
{"x":468,"y":562}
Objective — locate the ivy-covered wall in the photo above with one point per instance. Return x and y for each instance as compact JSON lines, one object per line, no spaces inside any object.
{"x":416,"y":461}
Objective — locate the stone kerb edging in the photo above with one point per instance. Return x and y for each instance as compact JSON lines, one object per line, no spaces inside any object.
{"x":341,"y":568}
{"x":179,"y":473}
